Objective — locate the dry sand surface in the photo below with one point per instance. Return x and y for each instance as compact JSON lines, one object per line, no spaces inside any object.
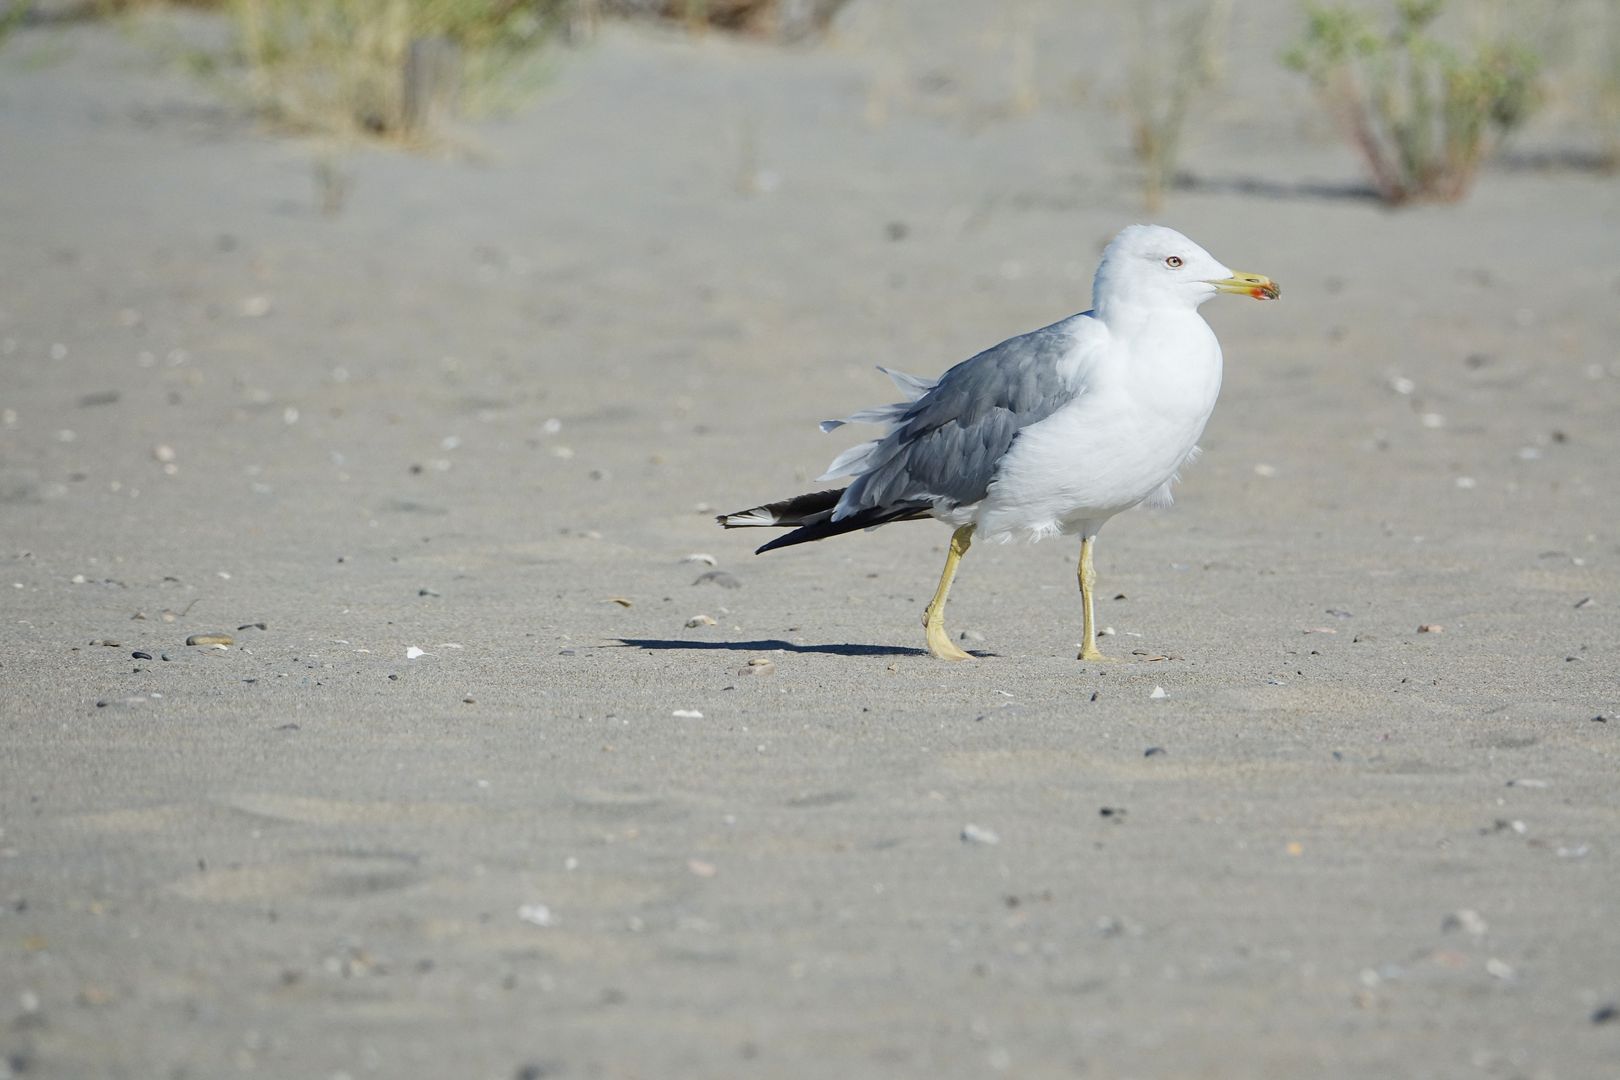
{"x":488,"y":411}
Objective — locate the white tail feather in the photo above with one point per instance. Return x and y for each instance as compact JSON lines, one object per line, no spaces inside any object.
{"x":748,"y":518}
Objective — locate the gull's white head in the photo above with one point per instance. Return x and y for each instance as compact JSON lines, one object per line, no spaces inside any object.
{"x":1150,"y":266}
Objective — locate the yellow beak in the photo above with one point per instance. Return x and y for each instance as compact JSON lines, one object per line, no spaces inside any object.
{"x":1256,"y":285}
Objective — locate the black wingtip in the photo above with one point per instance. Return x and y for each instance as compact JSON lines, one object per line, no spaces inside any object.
{"x":866,"y":519}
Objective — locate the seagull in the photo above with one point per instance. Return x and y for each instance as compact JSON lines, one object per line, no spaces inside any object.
{"x":1050,"y":433}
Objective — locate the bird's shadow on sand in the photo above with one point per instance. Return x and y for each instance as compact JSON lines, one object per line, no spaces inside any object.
{"x":772,"y":644}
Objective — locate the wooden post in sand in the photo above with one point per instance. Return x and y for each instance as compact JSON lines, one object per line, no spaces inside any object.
{"x":432,"y":83}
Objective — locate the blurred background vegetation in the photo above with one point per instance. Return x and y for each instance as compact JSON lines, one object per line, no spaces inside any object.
{"x":1424,"y":91}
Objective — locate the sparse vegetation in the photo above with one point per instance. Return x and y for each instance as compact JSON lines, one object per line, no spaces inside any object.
{"x":1422,"y":114}
{"x":378,"y":67}
{"x":394,"y":69}
{"x":1174,"y":57}
{"x":1609,"y":90}
{"x":784,"y":20}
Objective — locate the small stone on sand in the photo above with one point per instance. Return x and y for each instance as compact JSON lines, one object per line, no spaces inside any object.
{"x":1467,"y":920}
{"x":720,"y":578}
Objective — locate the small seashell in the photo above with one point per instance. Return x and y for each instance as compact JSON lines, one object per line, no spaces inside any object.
{"x":210,"y":639}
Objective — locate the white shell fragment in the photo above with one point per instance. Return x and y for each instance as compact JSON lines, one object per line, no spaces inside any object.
{"x":536,"y":915}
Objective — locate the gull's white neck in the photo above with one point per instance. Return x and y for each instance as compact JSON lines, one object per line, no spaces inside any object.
{"x":1165,"y":356}
{"x":1126,"y":320}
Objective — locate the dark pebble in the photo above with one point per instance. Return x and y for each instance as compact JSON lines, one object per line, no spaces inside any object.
{"x":1153,"y":751}
{"x":254,"y":626}
{"x":1111,"y":812}
{"x":99,"y":397}
{"x":139,"y":655}
{"x":570,"y":652}
{"x":395,"y":677}
{"x":1606,"y":1014}
{"x":720,"y":578}
{"x":426,"y":592}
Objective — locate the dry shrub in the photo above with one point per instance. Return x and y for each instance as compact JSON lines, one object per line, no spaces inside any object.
{"x":783,"y":20}
{"x":1422,"y":114}
{"x":1175,"y":56}
{"x":379,"y":67}
{"x":1609,"y":90}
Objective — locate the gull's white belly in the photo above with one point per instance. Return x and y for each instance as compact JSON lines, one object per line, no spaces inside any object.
{"x":1102,"y":454}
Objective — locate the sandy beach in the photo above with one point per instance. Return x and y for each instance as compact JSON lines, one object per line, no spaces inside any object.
{"x":469,"y":796}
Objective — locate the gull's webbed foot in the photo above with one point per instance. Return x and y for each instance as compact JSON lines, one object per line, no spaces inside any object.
{"x":939,"y":642}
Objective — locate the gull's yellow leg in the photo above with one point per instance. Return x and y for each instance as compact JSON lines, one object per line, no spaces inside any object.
{"x":939,"y":642}
{"x":1088,"y":582}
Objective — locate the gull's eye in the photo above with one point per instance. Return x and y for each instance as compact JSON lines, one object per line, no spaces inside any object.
{"x":1173,"y":262}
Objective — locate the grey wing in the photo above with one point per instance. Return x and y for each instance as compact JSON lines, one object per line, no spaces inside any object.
{"x":947,"y":445}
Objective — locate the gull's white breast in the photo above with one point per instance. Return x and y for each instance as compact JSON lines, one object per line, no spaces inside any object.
{"x":1147,"y":398}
